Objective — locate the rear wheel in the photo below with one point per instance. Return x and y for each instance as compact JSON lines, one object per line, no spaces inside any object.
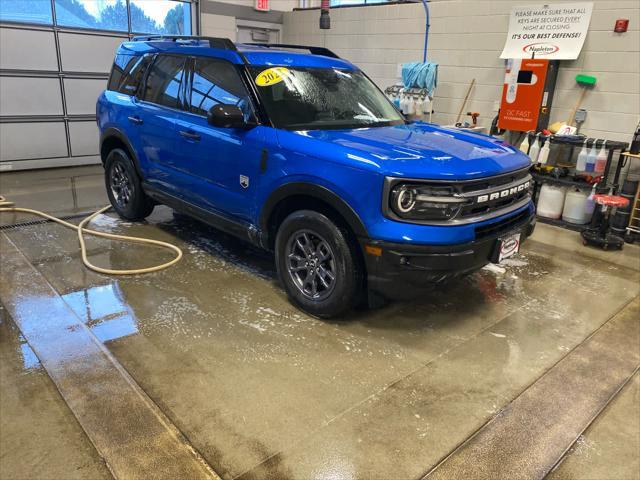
{"x":318,"y":264}
{"x":124,"y":188}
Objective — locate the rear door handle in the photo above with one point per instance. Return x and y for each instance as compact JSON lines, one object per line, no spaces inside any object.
{"x":136,"y":120}
{"x":190,"y":135}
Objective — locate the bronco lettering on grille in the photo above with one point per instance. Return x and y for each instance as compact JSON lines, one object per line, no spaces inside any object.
{"x":509,"y":192}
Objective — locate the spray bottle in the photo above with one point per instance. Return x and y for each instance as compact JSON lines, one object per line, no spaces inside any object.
{"x":544,"y":153}
{"x":404,"y":103}
{"x":591,"y":158}
{"x":601,"y":159}
{"x":581,"y":164}
{"x":590,"y":204}
{"x":534,"y":149}
{"x":419,"y":107}
{"x":524,"y":146}
{"x":411,"y":106}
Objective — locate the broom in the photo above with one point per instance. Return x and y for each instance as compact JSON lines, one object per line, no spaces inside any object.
{"x":586,"y":82}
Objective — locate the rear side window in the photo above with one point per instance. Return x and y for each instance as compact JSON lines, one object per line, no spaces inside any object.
{"x":127,"y":73}
{"x":165,"y":81}
{"x":216,"y":81}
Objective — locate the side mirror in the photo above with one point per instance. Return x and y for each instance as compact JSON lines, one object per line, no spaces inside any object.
{"x":227,"y":116}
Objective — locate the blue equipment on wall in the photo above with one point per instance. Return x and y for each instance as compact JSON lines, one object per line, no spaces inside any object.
{"x":420,"y":75}
{"x":426,"y":30}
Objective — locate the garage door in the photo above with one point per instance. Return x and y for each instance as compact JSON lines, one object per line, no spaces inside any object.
{"x":55,"y":57}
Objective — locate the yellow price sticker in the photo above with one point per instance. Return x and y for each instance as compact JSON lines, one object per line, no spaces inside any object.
{"x":271,"y":76}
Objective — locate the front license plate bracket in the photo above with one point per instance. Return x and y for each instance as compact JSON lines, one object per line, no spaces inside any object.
{"x":506,"y":246}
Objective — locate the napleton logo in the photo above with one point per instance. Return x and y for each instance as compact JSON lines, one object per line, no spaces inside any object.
{"x":541,"y":48}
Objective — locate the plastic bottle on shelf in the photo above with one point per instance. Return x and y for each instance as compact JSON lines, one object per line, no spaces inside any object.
{"x":419,"y":107}
{"x":426,"y":106}
{"x":581,"y":164}
{"x":601,"y":160}
{"x":524,"y":146}
{"x":534,"y":149}
{"x":544,"y":153}
{"x":411,"y":106}
{"x":590,"y":204}
{"x":405,"y":104}
{"x":591,"y":158}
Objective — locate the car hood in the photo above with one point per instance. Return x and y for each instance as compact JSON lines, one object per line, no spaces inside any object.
{"x":421,"y":150}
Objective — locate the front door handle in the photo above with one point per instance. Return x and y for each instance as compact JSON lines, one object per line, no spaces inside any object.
{"x":136,"y":120}
{"x":190,"y":135}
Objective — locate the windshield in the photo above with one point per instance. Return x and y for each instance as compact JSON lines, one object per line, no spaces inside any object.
{"x":322,"y":98}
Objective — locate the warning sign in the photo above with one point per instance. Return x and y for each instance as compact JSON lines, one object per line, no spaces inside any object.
{"x":552,"y":32}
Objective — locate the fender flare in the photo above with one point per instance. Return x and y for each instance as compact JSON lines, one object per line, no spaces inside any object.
{"x":315,"y":191}
{"x":113,"y":132}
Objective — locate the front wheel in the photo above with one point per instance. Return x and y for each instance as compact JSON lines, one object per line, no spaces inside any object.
{"x":318,"y":264}
{"x":124,"y":188}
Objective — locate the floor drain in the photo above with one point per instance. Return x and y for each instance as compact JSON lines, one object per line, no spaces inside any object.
{"x":30,"y":223}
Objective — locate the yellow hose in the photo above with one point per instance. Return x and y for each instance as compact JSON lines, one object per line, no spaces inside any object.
{"x":7,"y":206}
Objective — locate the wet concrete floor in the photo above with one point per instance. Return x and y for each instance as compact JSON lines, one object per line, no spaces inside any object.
{"x":39,"y":436}
{"x":263,"y":391}
{"x":615,"y":434}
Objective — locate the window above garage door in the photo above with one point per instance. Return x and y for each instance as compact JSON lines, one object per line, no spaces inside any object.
{"x":133,"y":16}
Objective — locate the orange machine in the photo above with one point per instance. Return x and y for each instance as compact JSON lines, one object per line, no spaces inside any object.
{"x":527,"y":94}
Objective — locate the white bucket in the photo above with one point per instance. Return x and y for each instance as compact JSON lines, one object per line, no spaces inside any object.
{"x":551,"y":201}
{"x":575,"y":207}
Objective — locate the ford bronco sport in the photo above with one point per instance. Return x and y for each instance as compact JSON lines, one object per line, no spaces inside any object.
{"x":297,"y":151}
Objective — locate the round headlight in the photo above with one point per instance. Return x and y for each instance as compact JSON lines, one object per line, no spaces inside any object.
{"x":405,"y":199}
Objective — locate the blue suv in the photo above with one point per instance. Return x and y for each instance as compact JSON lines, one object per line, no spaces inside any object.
{"x":297,"y":151}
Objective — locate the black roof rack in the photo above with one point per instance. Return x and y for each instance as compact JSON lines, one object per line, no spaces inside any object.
{"x":214,"y":42}
{"x":313,"y":50}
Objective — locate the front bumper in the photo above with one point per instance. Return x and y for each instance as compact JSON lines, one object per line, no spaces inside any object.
{"x":403,"y":271}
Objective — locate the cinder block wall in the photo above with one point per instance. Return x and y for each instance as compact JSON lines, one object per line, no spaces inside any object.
{"x":466,"y":38}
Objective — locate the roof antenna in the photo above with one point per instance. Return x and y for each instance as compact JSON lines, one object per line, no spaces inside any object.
{"x":325,"y":20}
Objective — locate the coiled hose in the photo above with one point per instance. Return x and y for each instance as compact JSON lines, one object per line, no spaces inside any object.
{"x":8,"y":206}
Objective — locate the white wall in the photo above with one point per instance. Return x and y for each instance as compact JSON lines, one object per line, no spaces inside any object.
{"x":220,"y":21}
{"x":466,"y":38}
{"x":218,"y":26}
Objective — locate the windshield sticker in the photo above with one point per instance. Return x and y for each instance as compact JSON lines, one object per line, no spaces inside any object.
{"x":271,"y":76}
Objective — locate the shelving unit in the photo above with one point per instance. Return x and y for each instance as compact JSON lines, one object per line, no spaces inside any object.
{"x":559,"y":181}
{"x":608,"y":180}
{"x":561,"y":223}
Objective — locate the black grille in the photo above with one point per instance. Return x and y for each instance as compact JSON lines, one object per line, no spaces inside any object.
{"x":475,"y":209}
{"x":497,"y":228}
{"x":493,"y":182}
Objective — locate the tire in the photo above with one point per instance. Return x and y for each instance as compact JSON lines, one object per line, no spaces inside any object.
{"x":124,"y":188}
{"x":310,"y":250}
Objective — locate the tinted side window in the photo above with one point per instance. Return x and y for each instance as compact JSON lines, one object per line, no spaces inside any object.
{"x":127,"y":73}
{"x":216,"y":81}
{"x":164,"y":81}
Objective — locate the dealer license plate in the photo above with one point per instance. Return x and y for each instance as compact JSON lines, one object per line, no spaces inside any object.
{"x":508,"y":246}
